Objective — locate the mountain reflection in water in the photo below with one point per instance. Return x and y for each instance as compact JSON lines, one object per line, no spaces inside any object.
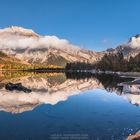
{"x":54,"y":88}
{"x":105,"y":108}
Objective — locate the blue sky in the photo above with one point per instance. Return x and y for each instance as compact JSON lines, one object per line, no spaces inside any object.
{"x":91,"y":24}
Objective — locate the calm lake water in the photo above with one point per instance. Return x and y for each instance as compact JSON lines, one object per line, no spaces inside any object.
{"x":56,"y":106}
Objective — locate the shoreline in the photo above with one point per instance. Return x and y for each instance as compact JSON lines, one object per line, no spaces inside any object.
{"x":121,"y":74}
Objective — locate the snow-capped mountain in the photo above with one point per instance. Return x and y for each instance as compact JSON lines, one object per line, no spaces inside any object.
{"x":31,"y":47}
{"x":131,"y":48}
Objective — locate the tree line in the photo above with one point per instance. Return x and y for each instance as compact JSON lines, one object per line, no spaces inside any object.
{"x":79,"y":66}
{"x":117,"y":62}
{"x":109,"y":62}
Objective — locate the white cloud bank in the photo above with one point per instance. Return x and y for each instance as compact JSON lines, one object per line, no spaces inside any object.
{"x":20,"y":38}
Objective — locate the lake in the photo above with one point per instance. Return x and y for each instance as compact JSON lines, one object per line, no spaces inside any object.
{"x":71,"y":106}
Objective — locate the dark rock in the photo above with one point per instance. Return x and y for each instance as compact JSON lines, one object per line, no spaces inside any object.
{"x":17,"y":86}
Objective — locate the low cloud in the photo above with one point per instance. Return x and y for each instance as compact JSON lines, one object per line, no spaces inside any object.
{"x":21,"y":40}
{"x":134,"y":42}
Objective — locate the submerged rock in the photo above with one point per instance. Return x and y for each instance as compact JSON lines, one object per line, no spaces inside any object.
{"x":17,"y":86}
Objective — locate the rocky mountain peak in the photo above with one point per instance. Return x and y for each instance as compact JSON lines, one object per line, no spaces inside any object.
{"x":19,"y":30}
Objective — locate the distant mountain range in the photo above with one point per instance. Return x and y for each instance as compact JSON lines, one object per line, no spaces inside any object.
{"x":27,"y":47}
{"x":131,"y":48}
{"x":32,"y":48}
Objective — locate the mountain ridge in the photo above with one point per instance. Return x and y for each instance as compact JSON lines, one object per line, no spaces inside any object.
{"x":32,"y":48}
{"x":129,"y":49}
{"x":28,"y":46}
